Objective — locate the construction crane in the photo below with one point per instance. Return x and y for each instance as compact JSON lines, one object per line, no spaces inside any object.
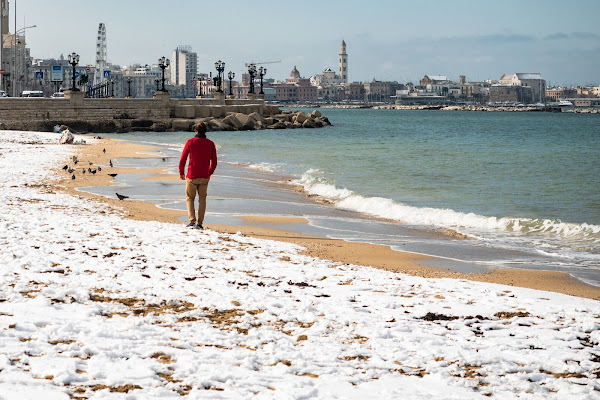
{"x":262,"y":62}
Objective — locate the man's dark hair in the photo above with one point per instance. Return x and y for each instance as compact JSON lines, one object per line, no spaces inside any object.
{"x":200,"y":129}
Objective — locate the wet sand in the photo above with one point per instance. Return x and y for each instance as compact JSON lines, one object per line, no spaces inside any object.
{"x":365,"y":254}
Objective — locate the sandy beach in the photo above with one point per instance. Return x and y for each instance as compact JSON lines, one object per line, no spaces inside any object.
{"x":347,"y":252}
{"x":99,"y":299}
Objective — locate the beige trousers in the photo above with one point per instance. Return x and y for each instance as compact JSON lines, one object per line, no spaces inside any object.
{"x":193,"y":186}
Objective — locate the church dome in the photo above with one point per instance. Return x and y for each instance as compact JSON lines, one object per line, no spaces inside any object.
{"x":295,"y":74}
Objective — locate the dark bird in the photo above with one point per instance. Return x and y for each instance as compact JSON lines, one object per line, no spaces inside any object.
{"x":113,"y":175}
{"x":93,"y":171}
{"x":89,"y":170}
{"x":70,"y":170}
{"x":66,"y":167}
{"x":121,"y":197}
{"x":99,"y":169}
{"x":74,"y":159}
{"x":104,"y":150}
{"x":110,"y":163}
{"x":89,"y":162}
{"x":73,"y":176}
{"x":164,"y":159}
{"x":84,"y":170}
{"x":75,"y":162}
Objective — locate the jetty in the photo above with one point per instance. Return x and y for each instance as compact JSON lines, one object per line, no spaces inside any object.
{"x":159,"y":114}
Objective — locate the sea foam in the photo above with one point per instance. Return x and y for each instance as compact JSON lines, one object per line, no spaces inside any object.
{"x":583,"y":236}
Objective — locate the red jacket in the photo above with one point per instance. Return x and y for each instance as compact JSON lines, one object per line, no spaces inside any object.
{"x":203,"y":158}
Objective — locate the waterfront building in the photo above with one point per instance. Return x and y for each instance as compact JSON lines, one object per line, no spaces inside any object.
{"x":502,"y":93}
{"x":377,"y":91}
{"x":326,"y":78}
{"x":183,"y":68}
{"x":40,"y":77}
{"x":532,"y":80}
{"x":143,"y":81}
{"x":557,"y":93}
{"x":418,"y":97}
{"x":354,"y":91}
{"x":434,"y":80}
{"x":296,"y":89}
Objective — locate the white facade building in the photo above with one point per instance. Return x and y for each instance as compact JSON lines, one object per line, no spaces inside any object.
{"x":184,"y":67}
{"x":533,"y":80}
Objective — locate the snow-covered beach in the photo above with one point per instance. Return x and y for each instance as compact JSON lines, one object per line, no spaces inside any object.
{"x":94,"y":305}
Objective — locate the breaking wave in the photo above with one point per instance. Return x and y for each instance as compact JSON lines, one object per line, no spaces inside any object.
{"x":583,"y":237}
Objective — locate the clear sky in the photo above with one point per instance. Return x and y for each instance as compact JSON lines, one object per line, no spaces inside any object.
{"x":386,"y":39}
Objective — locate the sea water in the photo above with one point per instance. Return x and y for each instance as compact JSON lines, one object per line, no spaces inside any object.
{"x":518,"y":189}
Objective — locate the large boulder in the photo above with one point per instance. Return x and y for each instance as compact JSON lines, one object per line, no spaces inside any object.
{"x":278,"y":125}
{"x":315,"y":114}
{"x":300,"y":117}
{"x":217,"y":125}
{"x":325,"y":121}
{"x":159,"y":127}
{"x":309,"y":123}
{"x":257,"y":117}
{"x":247,"y":122}
{"x":233,"y":121}
{"x":283,"y":117}
{"x":181,"y":125}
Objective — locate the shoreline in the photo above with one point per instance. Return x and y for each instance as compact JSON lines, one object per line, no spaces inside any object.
{"x":436,"y":107}
{"x":364,"y":254}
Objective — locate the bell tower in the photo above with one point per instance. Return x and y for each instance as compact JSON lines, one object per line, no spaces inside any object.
{"x":343,"y":63}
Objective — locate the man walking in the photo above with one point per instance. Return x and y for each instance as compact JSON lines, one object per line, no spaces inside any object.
{"x":203,"y":161}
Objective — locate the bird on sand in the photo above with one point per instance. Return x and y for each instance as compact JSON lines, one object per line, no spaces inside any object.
{"x":73,"y":176}
{"x":66,"y":167}
{"x":110,"y":163}
{"x":75,"y":159}
{"x":121,"y":197}
{"x":89,"y":162}
{"x":99,"y":169}
{"x":104,"y":150}
{"x":70,"y":170}
{"x":113,"y":175}
{"x":84,"y":170}
{"x":89,"y":170}
{"x":93,"y":171}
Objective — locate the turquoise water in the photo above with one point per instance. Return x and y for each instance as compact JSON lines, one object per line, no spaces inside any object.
{"x":526,"y":182}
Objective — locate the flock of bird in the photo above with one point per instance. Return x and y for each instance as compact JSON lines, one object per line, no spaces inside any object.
{"x":73,"y":169}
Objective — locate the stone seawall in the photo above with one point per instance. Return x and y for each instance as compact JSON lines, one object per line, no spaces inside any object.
{"x":120,"y":115}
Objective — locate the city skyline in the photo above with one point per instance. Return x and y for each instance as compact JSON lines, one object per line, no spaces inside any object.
{"x":395,"y":41}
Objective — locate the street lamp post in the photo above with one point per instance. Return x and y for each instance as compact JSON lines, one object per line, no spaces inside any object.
{"x":163,"y":63}
{"x":252,"y":72}
{"x":198,"y":85}
{"x":14,"y":58}
{"x":220,"y":67}
{"x":231,"y":75}
{"x":261,"y":72}
{"x":128,"y":87}
{"x":74,"y":60}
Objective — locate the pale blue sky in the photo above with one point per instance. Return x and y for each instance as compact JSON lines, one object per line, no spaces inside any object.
{"x":387,"y":39}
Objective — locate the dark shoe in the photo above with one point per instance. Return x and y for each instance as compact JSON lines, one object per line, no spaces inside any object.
{"x":200,"y":227}
{"x":191,"y":225}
